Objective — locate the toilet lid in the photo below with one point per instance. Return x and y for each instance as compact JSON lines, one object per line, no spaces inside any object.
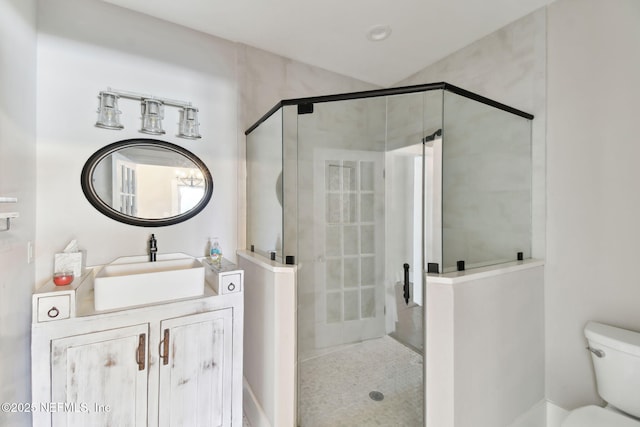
{"x":595,"y":416}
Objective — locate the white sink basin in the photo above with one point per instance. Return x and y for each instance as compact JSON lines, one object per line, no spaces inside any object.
{"x":128,"y":281}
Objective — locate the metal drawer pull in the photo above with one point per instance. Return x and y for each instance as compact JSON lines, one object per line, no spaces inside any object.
{"x":141,"y":353}
{"x":53,"y":312}
{"x":231,"y":287}
{"x":597,"y":352}
{"x":164,"y":348}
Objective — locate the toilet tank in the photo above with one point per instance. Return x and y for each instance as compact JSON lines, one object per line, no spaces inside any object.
{"x":617,"y":368}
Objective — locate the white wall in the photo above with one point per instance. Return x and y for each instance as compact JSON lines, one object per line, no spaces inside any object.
{"x":265,"y":79}
{"x":593,"y":176}
{"x":269,"y":341}
{"x":87,"y":46}
{"x":485,"y":345}
{"x":17,"y":179}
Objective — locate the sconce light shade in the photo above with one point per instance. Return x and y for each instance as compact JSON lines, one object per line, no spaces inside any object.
{"x":188,"y":125}
{"x":152,"y":115}
{"x":108,"y":113}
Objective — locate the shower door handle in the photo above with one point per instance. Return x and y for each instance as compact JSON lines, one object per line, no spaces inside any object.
{"x":406,"y":284}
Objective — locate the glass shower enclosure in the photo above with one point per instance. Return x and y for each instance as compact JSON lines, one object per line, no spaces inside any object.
{"x":369,"y":193}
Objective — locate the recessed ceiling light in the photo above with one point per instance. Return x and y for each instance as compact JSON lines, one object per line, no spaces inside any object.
{"x":379,"y":32}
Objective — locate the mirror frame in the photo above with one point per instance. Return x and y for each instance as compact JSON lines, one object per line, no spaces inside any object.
{"x":86,"y":181}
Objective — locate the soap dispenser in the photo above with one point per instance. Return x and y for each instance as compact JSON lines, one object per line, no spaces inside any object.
{"x":216,"y":252}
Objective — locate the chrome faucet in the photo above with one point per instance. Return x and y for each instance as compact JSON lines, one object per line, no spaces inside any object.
{"x":153,"y":248}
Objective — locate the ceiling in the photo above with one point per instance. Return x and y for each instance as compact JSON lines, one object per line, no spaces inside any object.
{"x":332,"y":34}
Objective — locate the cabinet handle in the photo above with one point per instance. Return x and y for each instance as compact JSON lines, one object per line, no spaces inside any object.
{"x":141,"y":352}
{"x":53,"y":312}
{"x":164,"y":348}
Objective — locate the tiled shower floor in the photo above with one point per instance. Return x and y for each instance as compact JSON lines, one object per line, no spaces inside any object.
{"x":335,"y":387}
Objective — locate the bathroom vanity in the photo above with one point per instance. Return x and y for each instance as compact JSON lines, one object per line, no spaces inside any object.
{"x":166,"y":363}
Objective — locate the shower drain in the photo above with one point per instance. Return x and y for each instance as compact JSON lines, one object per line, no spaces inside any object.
{"x":376,"y":395}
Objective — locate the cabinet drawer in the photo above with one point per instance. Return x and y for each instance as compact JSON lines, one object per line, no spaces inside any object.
{"x":54,"y":308}
{"x":231,"y":283}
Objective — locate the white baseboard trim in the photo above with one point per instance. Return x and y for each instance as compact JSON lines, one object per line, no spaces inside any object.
{"x":252,"y":408}
{"x":542,"y":414}
{"x":536,"y":416}
{"x":555,"y":415}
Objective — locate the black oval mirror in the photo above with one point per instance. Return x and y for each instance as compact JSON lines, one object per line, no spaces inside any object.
{"x":146,"y":182}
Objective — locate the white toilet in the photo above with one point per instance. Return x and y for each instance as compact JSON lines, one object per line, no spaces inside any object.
{"x":615,"y":354}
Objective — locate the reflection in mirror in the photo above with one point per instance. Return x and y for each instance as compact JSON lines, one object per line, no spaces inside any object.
{"x":146,"y":182}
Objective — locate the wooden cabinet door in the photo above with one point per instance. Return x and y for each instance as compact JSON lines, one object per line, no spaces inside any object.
{"x":101,"y":377}
{"x":195,"y":370}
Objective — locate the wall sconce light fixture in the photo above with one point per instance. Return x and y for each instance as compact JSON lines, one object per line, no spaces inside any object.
{"x":152,"y":115}
{"x":188,"y":125}
{"x":108,"y":113}
{"x":152,"y":108}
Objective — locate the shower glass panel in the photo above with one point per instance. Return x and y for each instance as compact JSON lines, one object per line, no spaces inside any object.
{"x":360,"y":219}
{"x":264,"y":202}
{"x":340,"y":190}
{"x":486,"y":178}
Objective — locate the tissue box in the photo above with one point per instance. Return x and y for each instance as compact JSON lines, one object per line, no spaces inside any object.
{"x":70,"y":261}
